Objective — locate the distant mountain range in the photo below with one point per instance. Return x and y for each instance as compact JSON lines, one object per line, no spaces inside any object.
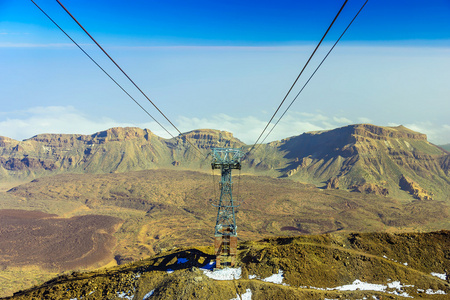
{"x":445,"y":147}
{"x":365,"y":158}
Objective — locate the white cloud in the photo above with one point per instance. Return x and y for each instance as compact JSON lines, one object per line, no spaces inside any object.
{"x":67,"y":119}
{"x":364,"y":120}
{"x":342,"y":120}
{"x":53,"y":119}
{"x":437,"y":134}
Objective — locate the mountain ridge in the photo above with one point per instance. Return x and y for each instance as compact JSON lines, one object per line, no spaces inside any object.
{"x":362,"y":157}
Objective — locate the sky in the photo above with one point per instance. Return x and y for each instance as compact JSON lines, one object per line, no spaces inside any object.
{"x":225,"y":65}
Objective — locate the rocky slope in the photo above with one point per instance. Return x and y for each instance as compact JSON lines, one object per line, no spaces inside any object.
{"x":366,"y":158}
{"x":349,"y":266}
{"x":112,"y":150}
{"x":362,"y":158}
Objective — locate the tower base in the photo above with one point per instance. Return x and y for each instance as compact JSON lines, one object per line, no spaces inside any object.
{"x":225,"y":249}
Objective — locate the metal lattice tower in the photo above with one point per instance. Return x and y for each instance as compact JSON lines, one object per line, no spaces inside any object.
{"x":225,"y":241}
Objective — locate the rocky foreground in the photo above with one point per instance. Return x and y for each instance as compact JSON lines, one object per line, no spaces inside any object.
{"x":349,"y":266}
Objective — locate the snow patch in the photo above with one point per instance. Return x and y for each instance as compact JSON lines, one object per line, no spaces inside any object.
{"x":148,"y":295}
{"x":405,"y":263}
{"x":364,"y":286}
{"x":123,"y":295}
{"x":438,"y":292}
{"x":275,"y":278}
{"x":224,"y":274}
{"x":246,"y":296}
{"x":440,"y":275}
{"x":397,"y":285}
{"x":359,"y":285}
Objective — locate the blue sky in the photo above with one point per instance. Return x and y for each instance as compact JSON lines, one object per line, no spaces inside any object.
{"x":225,"y":65}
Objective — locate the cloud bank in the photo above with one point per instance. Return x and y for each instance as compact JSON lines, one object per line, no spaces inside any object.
{"x":24,"y":124}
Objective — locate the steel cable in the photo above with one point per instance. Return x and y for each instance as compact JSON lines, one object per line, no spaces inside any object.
{"x":301,"y":72}
{"x":312,"y":75}
{"x":128,"y":77}
{"x":93,"y":60}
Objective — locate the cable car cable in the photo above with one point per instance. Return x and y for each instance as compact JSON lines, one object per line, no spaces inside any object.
{"x":295,"y":98}
{"x":93,"y":60}
{"x":126,"y":75}
{"x":301,"y":72}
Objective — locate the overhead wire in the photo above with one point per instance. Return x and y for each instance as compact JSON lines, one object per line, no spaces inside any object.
{"x":301,"y":72}
{"x":129,"y":78}
{"x":104,"y":71}
{"x":312,"y":75}
{"x":181,"y":134}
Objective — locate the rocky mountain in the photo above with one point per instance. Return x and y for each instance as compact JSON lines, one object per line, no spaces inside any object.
{"x":364,"y":158}
{"x":112,"y":150}
{"x":368,"y":158}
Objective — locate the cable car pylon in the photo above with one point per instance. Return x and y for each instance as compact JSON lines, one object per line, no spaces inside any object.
{"x":225,"y":234}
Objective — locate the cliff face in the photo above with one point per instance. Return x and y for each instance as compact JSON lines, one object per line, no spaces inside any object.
{"x":112,"y":150}
{"x":366,"y":158}
{"x":363,"y":158}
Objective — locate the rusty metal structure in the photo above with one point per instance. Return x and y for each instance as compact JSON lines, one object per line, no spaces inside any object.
{"x":225,"y":234}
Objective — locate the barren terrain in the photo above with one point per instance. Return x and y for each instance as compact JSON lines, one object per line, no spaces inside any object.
{"x":394,"y":266}
{"x":78,"y":202}
{"x":33,"y":240}
{"x":161,"y":209}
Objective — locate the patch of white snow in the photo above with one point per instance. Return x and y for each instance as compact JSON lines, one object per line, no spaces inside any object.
{"x":246,"y":296}
{"x":252,"y":276}
{"x":401,"y":293}
{"x":440,"y":275}
{"x":363,"y":286}
{"x":224,"y":274}
{"x":123,"y":295}
{"x":275,"y":278}
{"x":397,"y":285}
{"x":148,"y":295}
{"x":438,"y":292}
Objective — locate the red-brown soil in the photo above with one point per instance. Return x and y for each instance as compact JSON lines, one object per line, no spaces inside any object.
{"x":37,"y":238}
